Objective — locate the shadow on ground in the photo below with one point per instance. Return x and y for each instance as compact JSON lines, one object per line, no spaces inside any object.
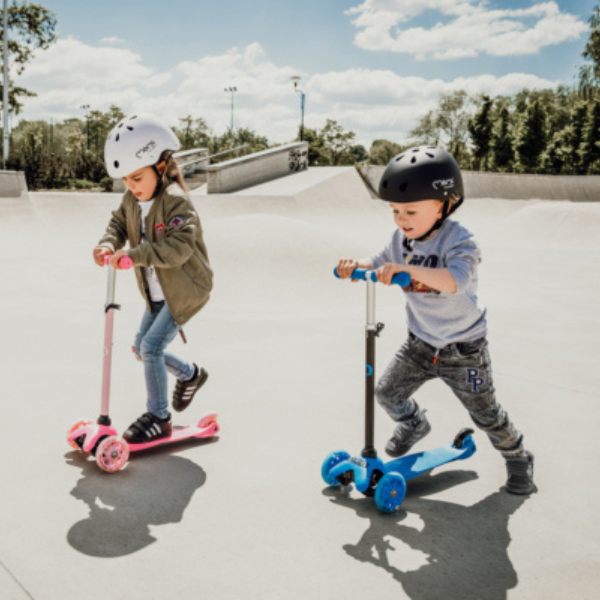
{"x":448,"y":550}
{"x":154,"y":489}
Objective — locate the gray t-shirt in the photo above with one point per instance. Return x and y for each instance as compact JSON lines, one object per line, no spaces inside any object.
{"x":441,"y":318}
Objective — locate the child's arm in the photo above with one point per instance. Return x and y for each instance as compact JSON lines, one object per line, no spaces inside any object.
{"x":438,"y":279}
{"x":114,"y":237}
{"x":175,"y":248}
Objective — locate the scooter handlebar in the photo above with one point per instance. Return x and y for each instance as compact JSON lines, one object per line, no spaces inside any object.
{"x":124,"y":263}
{"x":402,"y":279}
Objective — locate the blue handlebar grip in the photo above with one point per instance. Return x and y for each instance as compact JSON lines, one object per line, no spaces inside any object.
{"x":402,"y":279}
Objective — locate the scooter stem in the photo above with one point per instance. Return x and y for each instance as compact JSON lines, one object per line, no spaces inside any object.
{"x":371,"y":332}
{"x":109,"y":309}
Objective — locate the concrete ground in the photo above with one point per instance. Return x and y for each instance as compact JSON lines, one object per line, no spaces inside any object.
{"x":247,"y":515}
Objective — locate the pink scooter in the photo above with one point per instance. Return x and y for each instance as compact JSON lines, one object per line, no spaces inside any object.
{"x":101,"y":438}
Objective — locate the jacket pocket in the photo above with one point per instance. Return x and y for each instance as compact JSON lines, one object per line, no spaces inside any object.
{"x":200,"y":277}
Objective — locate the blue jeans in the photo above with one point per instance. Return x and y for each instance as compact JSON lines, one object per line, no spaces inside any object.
{"x":157,"y":330}
{"x":467,"y":369}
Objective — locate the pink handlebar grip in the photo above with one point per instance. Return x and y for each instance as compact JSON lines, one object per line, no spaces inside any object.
{"x":125,"y":263}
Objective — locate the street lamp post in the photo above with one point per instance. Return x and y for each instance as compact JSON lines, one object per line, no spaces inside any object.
{"x":296,"y":79}
{"x":87,"y":118}
{"x":231,"y":90}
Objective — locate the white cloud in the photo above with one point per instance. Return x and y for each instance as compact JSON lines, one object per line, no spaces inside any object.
{"x":374,"y":103}
{"x":466,"y":28}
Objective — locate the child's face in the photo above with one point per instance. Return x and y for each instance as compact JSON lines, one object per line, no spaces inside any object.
{"x":416,"y":218}
{"x":142,"y":183}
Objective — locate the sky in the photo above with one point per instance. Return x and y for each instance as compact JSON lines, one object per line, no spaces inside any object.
{"x":374,"y":66}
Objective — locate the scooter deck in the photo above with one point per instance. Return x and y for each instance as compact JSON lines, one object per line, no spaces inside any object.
{"x":409,"y":466}
{"x":413,"y":465}
{"x":179,"y":435}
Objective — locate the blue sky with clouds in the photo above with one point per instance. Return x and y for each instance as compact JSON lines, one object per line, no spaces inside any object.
{"x":373,"y":65}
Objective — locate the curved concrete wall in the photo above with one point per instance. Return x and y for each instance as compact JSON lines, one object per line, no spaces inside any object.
{"x":246,"y":171}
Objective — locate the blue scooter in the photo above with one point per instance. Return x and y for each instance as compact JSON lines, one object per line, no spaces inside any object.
{"x":370,"y":475}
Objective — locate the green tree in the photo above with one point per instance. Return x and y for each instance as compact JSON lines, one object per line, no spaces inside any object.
{"x":532,"y":141}
{"x":589,"y":73}
{"x":338,"y":143}
{"x":318,"y":154}
{"x":575,"y":137}
{"x":359,"y":153}
{"x":194,"y":133}
{"x":590,"y":147}
{"x":480,"y":129}
{"x":31,"y":27}
{"x":382,"y":151}
{"x":447,"y":123}
{"x":502,"y":142}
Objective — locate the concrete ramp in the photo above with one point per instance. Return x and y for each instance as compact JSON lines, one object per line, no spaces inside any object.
{"x":283,"y":341}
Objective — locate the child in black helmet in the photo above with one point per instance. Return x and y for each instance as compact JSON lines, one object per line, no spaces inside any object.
{"x":447,"y":328}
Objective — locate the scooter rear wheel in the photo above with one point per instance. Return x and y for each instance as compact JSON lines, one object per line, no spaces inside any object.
{"x":73,"y":427}
{"x":207,"y":420}
{"x":333,"y":459}
{"x":461,"y":436}
{"x":390,"y":492}
{"x":112,"y":453}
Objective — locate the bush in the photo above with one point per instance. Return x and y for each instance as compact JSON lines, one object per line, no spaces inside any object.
{"x":81,"y":184}
{"x":106,"y":183}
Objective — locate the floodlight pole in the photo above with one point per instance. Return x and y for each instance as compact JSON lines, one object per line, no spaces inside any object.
{"x":296,"y":79}
{"x":231,"y":90}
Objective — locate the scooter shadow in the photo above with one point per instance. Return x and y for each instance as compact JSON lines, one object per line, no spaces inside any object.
{"x":458,"y":552}
{"x":155,"y":488}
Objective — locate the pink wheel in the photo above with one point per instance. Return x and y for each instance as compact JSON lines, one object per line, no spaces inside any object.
{"x":208,"y":420}
{"x":112,"y":453}
{"x":73,"y":427}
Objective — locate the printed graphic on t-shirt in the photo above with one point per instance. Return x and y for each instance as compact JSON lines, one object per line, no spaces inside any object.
{"x":422,"y":261}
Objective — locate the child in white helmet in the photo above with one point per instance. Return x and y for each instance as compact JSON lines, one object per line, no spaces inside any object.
{"x":447,"y":327}
{"x":173,"y":273}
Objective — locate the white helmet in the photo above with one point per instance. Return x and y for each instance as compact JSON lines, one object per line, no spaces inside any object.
{"x":137,"y":142}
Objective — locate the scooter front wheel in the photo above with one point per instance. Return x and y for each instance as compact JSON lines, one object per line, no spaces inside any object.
{"x":333,"y":459}
{"x":390,"y":492}
{"x":112,"y":454}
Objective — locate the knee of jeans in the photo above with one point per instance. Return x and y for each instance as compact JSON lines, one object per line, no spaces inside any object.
{"x":149,"y":348}
{"x":384,"y":394}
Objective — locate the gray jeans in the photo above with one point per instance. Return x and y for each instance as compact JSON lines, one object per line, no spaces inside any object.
{"x":466,"y":368}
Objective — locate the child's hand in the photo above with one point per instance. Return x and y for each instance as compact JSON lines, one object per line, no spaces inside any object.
{"x":387,"y":271}
{"x":99,"y":254}
{"x":346,"y":267}
{"x":115,"y":258}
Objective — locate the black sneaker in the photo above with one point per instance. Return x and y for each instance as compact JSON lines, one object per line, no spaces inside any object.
{"x":186,"y":390}
{"x":407,"y":434}
{"x":147,"y":429}
{"x":520,"y":474}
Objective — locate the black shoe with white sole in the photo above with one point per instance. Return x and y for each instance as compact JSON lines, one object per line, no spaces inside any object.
{"x":147,"y":429}
{"x":185,"y":390}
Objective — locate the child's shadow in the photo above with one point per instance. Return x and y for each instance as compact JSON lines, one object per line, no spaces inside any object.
{"x":152,"y":490}
{"x":464,"y":548}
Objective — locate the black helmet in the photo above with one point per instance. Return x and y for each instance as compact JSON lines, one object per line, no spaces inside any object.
{"x":423,"y":173}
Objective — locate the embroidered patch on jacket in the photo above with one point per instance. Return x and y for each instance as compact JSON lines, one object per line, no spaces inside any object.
{"x":176,"y":221}
{"x":160,"y":227}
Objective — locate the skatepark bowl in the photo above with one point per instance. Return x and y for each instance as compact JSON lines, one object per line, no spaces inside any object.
{"x":246,"y":515}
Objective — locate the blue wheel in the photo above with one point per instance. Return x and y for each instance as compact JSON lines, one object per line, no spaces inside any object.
{"x":333,"y":459}
{"x":390,"y":492}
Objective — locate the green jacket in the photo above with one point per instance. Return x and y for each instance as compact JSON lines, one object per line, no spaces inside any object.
{"x":174,"y":247}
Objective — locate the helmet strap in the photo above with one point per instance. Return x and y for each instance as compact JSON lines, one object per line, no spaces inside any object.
{"x":159,"y":181}
{"x":447,"y":209}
